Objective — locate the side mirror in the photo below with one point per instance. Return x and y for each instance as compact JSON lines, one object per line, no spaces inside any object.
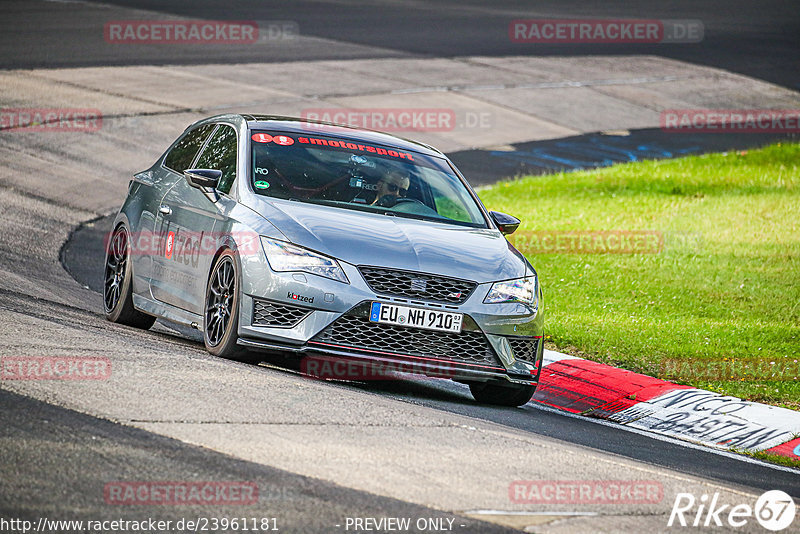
{"x":201,"y":178}
{"x":505,"y":223}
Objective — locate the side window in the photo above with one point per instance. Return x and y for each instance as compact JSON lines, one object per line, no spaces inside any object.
{"x":181,"y":156}
{"x":449,"y":201}
{"x":220,"y":154}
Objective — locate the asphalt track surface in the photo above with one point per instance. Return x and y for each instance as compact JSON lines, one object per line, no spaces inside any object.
{"x":82,"y":258}
{"x":759,"y":39}
{"x":597,"y":149}
{"x":59,"y":458}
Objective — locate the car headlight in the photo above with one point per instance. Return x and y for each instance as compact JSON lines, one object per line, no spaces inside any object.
{"x":284,"y":257}
{"x":520,"y":290}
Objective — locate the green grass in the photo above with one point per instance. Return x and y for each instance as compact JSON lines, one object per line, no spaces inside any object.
{"x":724,"y":287}
{"x":769,"y":457}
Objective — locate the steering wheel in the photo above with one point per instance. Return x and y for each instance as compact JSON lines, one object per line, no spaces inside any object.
{"x":401,"y":200}
{"x":389,"y":201}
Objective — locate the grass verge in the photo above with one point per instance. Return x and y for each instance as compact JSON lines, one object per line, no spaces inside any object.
{"x":771,"y":458}
{"x":709,"y":296}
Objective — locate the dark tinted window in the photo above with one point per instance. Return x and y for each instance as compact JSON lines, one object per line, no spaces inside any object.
{"x":220,"y":154}
{"x":360,"y":176}
{"x":181,"y":156}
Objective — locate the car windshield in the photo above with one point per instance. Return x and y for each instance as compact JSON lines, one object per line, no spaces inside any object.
{"x":360,"y":176}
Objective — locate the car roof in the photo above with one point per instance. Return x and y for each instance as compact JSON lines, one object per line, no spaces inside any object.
{"x":299,"y":126}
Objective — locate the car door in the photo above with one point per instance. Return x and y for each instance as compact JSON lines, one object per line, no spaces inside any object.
{"x":153,"y":184}
{"x":186,"y":223}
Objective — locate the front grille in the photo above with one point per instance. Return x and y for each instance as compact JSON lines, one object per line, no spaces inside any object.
{"x":417,"y":285}
{"x":356,"y":331}
{"x":267,"y":313}
{"x":524,"y":348}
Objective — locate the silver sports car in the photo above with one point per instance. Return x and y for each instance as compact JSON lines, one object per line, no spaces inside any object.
{"x":355,"y":250}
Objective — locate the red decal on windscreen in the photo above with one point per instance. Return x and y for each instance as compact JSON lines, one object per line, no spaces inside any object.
{"x":283,"y":140}
{"x":262,"y":138}
{"x":354,"y":146}
{"x":170,"y":245}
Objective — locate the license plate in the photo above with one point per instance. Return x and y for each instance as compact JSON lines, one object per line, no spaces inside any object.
{"x":415,"y":317}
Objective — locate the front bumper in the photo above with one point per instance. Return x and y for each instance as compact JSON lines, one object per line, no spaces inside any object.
{"x":470,"y":355}
{"x":330,"y":319}
{"x":320,"y":360}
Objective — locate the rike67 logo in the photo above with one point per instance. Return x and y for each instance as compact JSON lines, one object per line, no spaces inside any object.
{"x":774,"y":510}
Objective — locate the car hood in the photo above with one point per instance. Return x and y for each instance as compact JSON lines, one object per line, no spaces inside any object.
{"x":360,"y":238}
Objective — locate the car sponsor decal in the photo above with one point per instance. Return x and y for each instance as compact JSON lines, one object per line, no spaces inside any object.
{"x":261,"y":138}
{"x":284,"y":140}
{"x":299,"y":298}
{"x":336,"y":143}
{"x":360,"y":183}
{"x":181,"y":245}
{"x":170,"y":245}
{"x":261,"y":184}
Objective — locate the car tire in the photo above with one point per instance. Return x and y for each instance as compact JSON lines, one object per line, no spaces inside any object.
{"x":117,"y":282}
{"x":501,"y":394}
{"x":221,"y":310}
